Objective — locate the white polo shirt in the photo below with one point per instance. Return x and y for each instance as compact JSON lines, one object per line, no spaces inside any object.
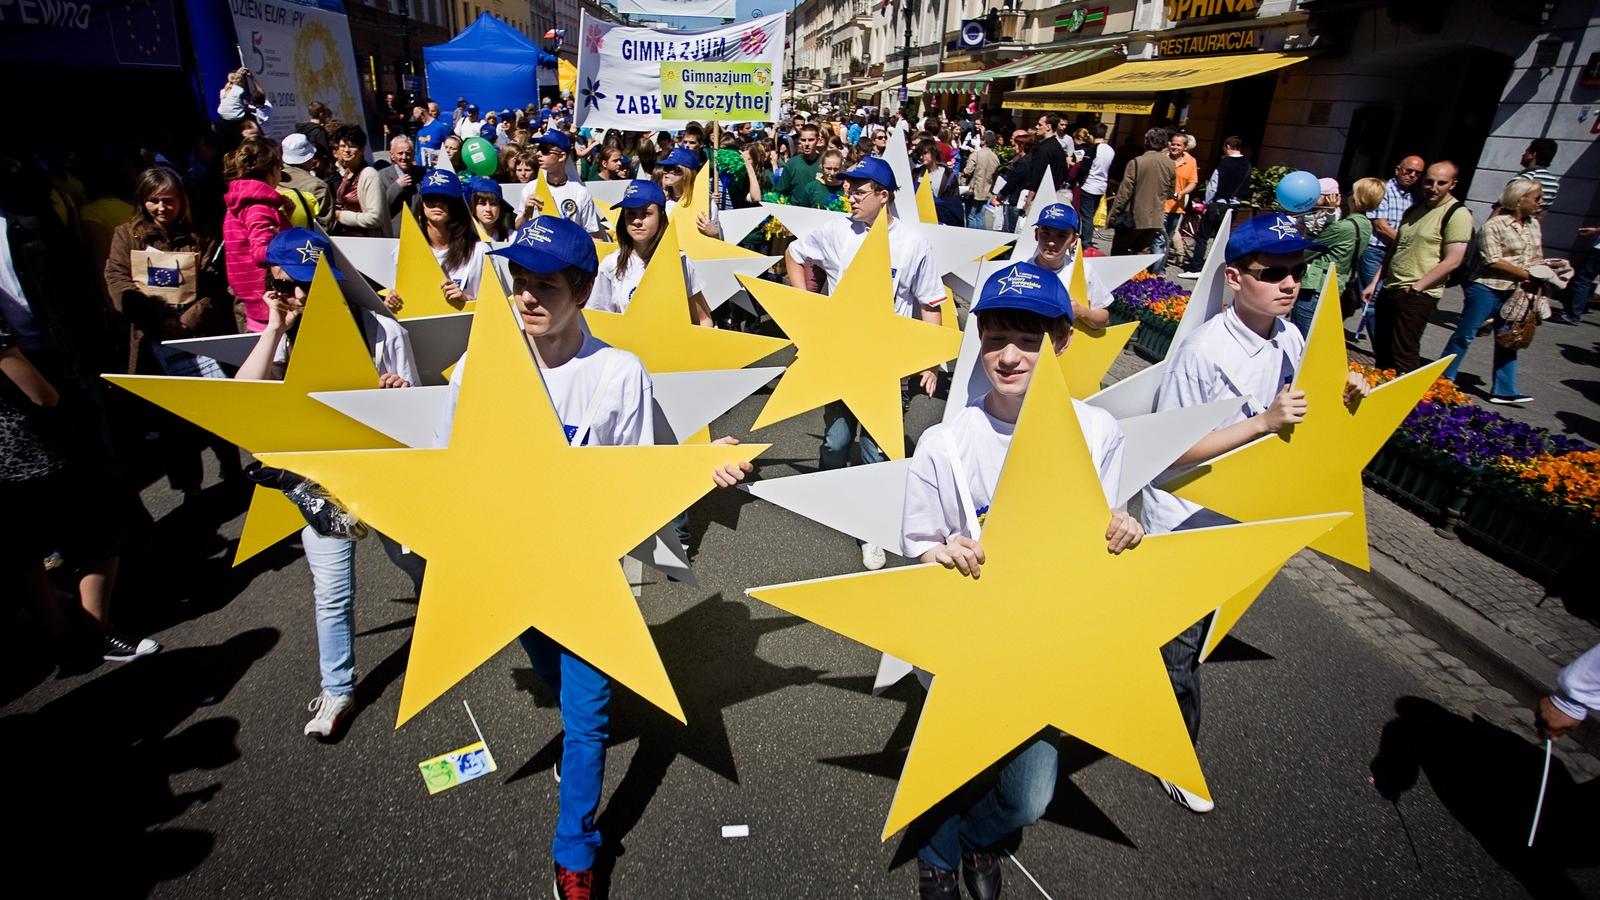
{"x":1221,"y":359}
{"x":612,"y":293}
{"x":834,"y":245}
{"x":1099,"y":294}
{"x":934,"y":508}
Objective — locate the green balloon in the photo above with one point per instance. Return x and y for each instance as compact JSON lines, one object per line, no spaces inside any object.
{"x":479,"y":157}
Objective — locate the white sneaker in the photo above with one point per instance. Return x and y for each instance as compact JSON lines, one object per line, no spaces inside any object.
{"x":1192,"y":802}
{"x":1189,"y":276}
{"x":328,"y":708}
{"x":872,"y":556}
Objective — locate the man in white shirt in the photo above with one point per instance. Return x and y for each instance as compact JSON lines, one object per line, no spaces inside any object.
{"x":573,"y":199}
{"x":918,"y":293}
{"x":469,"y":125}
{"x":1094,"y":185}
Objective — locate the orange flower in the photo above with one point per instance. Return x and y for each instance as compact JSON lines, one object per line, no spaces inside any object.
{"x":1571,"y":479}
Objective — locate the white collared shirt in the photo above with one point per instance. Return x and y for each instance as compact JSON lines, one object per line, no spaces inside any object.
{"x":1222,"y":358}
{"x":834,"y":245}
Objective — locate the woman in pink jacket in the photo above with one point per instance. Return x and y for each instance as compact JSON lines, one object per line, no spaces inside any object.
{"x":255,"y":213}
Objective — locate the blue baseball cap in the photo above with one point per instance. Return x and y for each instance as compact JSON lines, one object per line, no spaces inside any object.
{"x":487,"y":132}
{"x":550,"y":244}
{"x":440,"y":182}
{"x":642,"y":193}
{"x":1059,"y":216}
{"x":296,"y":251}
{"x":682,"y":156}
{"x":1027,"y":287}
{"x":557,"y":139}
{"x":873,"y":169}
{"x":1272,"y":233}
{"x":478,"y":184}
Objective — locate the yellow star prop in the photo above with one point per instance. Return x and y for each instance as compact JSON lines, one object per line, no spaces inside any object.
{"x":851,"y":344}
{"x":417,"y":275}
{"x":1041,"y":642}
{"x":474,"y":520}
{"x":926,"y":211}
{"x":686,"y":216}
{"x":656,"y":326}
{"x":1314,"y":466}
{"x":1090,"y":354}
{"x":329,"y":355}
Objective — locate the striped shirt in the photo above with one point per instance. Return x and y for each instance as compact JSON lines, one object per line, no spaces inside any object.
{"x":1396,"y":200}
{"x":1549,"y":182}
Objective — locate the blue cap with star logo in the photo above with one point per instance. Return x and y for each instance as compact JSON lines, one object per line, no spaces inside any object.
{"x":296,"y":251}
{"x":1059,"y":216}
{"x":1027,"y":287}
{"x":440,"y":182}
{"x":873,"y":168}
{"x":550,"y":244}
{"x":641,"y":193}
{"x":1272,"y":233}
{"x":682,"y":156}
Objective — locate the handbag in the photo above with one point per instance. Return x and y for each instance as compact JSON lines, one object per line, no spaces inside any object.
{"x":1518,"y":319}
{"x":167,"y":276}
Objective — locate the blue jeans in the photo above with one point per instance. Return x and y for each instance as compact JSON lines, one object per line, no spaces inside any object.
{"x":584,"y":694}
{"x":1370,"y":263}
{"x":1482,"y":304}
{"x":1013,"y":213}
{"x":1087,"y":204}
{"x":1163,"y":241}
{"x":839,"y":429}
{"x":1018,"y":799}
{"x":1305,"y":310}
{"x":1581,"y":288}
{"x":333,"y":587}
{"x":974,"y":210}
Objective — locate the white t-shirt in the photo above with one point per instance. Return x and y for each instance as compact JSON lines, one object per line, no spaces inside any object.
{"x":934,"y":511}
{"x":1099,"y":170}
{"x":467,"y":129}
{"x":911,"y":267}
{"x":1222,"y":358}
{"x":468,"y":273}
{"x":613,"y":294}
{"x":387,"y":340}
{"x":573,"y":199}
{"x":603,"y":389}
{"x":1099,"y":294}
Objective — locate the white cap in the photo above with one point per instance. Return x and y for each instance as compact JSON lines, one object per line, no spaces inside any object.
{"x":297,"y":149}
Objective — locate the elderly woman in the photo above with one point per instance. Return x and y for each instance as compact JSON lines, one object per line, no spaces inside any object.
{"x":1510,"y":243}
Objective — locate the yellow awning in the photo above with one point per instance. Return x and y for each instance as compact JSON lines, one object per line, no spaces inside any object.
{"x":1151,"y":75}
{"x":1077,"y":104}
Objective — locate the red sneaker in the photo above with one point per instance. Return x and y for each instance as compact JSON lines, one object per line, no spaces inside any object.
{"x":570,"y":885}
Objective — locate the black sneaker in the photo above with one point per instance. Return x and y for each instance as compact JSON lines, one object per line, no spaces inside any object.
{"x":121,"y":648}
{"x":1566,"y":319}
{"x":571,"y":885}
{"x":934,"y":883}
{"x":1510,"y":399}
{"x":981,"y":871}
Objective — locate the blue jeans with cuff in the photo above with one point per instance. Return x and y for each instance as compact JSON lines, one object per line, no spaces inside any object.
{"x":585,"y":695}
{"x":1018,"y":799}
{"x":1482,"y":304}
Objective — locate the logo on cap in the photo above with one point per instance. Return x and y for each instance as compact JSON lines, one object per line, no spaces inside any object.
{"x":535,"y":234}
{"x":438,"y":177}
{"x":1017,"y":281}
{"x":310,"y":253}
{"x":1284,"y":229}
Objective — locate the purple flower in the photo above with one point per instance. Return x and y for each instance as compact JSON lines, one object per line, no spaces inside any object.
{"x":1474,"y":436}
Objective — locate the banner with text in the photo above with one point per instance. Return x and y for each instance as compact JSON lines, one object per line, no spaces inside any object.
{"x":709,"y":9}
{"x":300,"y":52}
{"x":723,"y":92}
{"x":620,"y":69}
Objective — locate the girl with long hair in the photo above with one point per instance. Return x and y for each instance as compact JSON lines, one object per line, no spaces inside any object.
{"x":447,"y":224}
{"x":490,"y":209}
{"x":643,"y":221}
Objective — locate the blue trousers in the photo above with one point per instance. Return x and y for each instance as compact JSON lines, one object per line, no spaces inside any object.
{"x":1018,"y":799}
{"x":584,"y":694}
{"x":1087,"y":204}
{"x":839,"y":430}
{"x":1368,"y":264}
{"x":1581,"y":288}
{"x":1483,"y":304}
{"x":1163,"y":243}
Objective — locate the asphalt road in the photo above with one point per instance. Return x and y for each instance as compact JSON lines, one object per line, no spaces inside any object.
{"x":186,"y":775}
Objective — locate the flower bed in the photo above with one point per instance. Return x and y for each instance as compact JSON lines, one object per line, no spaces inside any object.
{"x":1154,"y":302}
{"x":1523,"y":494}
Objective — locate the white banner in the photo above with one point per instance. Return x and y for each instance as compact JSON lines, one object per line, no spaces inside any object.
{"x":710,"y":9}
{"x":300,"y":52}
{"x":619,"y":67}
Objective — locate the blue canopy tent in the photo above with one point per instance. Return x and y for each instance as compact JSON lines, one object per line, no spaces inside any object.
{"x":490,"y":63}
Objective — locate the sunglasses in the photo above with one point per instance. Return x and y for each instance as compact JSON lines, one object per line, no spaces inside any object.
{"x":284,"y":286}
{"x":1275,"y":274}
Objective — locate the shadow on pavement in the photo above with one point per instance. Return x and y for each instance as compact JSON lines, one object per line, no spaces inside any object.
{"x":93,"y":798}
{"x":1487,"y":778}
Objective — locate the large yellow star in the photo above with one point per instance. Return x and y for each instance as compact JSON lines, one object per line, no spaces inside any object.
{"x":329,"y":355}
{"x":1090,"y":354}
{"x":686,"y":217}
{"x":1039,"y":640}
{"x":656,"y":326}
{"x":851,"y":344}
{"x":519,"y":529}
{"x":1314,"y":466}
{"x":418,"y":275}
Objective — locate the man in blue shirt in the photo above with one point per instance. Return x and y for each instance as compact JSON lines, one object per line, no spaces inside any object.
{"x":430,"y":137}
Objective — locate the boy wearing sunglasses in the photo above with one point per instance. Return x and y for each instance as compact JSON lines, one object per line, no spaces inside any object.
{"x":1248,"y":351}
{"x":573,"y":198}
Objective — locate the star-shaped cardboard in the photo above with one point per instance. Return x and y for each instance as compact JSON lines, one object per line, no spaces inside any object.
{"x":656,"y":326}
{"x":515,"y":195}
{"x":686,"y":216}
{"x":418,"y":275}
{"x":954,"y":249}
{"x":473,"y":519}
{"x":1038,"y":648}
{"x":329,"y":355}
{"x":851,"y":345}
{"x":1314,"y":466}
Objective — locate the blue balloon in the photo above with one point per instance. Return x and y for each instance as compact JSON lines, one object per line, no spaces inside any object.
{"x":1298,"y":192}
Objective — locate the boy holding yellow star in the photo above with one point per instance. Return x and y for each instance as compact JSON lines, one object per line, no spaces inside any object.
{"x":949,"y":485}
{"x":1248,"y":351}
